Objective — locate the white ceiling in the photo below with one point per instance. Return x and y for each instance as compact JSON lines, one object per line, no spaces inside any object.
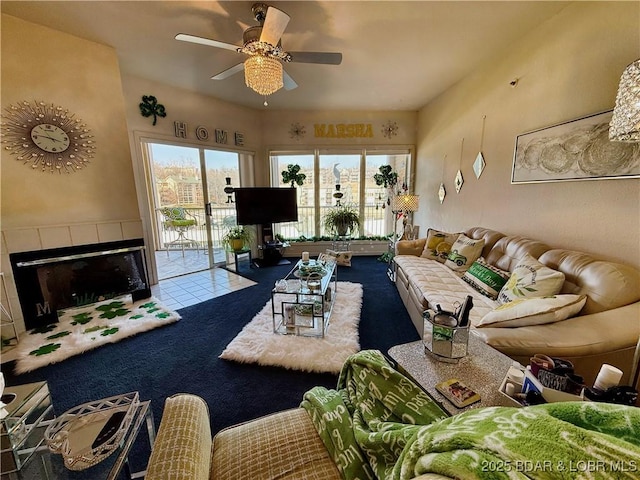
{"x":397,"y":55}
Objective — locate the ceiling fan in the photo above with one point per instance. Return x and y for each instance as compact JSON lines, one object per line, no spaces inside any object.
{"x":261,"y":43}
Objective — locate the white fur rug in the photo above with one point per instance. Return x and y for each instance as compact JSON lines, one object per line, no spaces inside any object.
{"x":84,"y":328}
{"x":257,"y":343}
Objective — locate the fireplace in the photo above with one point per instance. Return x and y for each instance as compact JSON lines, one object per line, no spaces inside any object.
{"x":56,"y":279}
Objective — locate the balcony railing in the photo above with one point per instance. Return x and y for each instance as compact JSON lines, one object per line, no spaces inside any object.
{"x":222,"y":218}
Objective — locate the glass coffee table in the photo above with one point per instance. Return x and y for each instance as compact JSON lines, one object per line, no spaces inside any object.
{"x":46,"y":465}
{"x":482,"y":369}
{"x":301,"y":303}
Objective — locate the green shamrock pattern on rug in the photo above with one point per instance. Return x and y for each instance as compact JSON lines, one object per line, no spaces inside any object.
{"x":81,"y":318}
{"x":62,"y":334}
{"x":113,"y":310}
{"x":45,"y":349}
{"x":83,"y":328}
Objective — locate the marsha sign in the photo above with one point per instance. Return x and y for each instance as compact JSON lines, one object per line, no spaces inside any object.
{"x":343,"y":130}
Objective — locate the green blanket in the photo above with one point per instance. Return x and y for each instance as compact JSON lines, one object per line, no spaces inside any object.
{"x":379,"y":424}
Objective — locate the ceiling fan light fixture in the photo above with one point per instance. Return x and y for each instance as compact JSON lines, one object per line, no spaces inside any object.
{"x":263,"y":74}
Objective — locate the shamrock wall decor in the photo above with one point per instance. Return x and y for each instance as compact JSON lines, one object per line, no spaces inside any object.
{"x":386,"y":178}
{"x":291,"y":174}
{"x":150,"y":106}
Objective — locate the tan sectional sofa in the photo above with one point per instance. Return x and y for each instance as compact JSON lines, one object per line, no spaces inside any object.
{"x":283,"y":446}
{"x":606,"y":330}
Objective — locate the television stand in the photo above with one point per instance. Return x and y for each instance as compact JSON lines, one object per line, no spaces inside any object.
{"x":271,"y":255}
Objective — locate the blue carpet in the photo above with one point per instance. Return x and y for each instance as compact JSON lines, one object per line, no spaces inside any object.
{"x":183,"y":357}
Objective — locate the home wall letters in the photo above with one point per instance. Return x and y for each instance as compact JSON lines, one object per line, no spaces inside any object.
{"x":202,"y":133}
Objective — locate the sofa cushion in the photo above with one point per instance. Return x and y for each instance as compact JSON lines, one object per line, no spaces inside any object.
{"x":486,"y":278}
{"x":438,"y":245}
{"x":529,"y":279}
{"x":439,"y":285}
{"x":464,"y":252}
{"x":607,"y":285}
{"x":534,"y":311}
{"x":284,"y":445}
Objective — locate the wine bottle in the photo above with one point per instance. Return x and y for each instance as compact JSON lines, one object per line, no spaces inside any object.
{"x":463,"y":316}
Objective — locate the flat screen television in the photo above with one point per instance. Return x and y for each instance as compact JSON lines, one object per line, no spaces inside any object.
{"x":266,"y":205}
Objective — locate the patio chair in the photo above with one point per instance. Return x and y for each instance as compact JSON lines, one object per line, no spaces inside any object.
{"x":179,"y":220}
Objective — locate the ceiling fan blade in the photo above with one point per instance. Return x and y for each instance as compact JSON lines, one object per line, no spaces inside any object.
{"x":289,"y":83}
{"x":327,"y":58}
{"x":228,"y":72}
{"x":274,"y":24}
{"x":184,"y":37}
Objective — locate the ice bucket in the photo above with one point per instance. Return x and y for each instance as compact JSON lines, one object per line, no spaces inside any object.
{"x":443,"y":337}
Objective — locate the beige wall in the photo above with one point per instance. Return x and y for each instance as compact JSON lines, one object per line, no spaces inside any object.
{"x":277,"y":126}
{"x":96,"y":204}
{"x":567,"y":68}
{"x":85,"y":78}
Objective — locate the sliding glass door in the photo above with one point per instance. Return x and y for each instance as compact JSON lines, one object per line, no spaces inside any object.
{"x":191,"y":210}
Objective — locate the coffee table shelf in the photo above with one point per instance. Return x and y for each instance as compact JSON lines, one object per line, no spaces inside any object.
{"x":302,"y":309}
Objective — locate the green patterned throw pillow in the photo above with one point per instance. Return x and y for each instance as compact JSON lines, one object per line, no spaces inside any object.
{"x":463,"y":253}
{"x":529,"y":279}
{"x":485,"y":278}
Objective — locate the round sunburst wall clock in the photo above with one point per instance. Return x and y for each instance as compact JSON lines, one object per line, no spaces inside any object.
{"x":47,"y":137}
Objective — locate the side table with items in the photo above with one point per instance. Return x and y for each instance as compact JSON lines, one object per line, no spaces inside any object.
{"x":92,"y":441}
{"x":482,"y":369}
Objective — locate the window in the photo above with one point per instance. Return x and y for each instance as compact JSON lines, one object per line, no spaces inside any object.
{"x":353,"y":170}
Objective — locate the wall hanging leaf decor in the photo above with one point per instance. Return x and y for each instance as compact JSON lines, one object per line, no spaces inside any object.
{"x":150,"y":106}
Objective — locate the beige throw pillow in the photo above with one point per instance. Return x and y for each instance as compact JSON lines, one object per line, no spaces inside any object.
{"x":438,"y":245}
{"x":529,"y":279}
{"x":534,"y":311}
{"x":464,"y":252}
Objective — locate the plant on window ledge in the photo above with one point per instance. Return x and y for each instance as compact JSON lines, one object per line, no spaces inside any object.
{"x":292,"y":175}
{"x":342,"y":220}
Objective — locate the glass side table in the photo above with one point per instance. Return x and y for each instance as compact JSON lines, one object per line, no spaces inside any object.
{"x":27,"y":413}
{"x":49,"y":466}
{"x":341,"y":243}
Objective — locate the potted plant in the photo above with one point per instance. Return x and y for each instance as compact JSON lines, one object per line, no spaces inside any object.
{"x":342,"y":220}
{"x":236,"y":238}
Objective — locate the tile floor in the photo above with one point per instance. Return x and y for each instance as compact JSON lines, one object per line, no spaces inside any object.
{"x":187,"y":290}
{"x":174,"y":262}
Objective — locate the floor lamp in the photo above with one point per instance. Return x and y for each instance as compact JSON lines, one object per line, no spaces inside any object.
{"x":404,"y":203}
{"x":625,"y":127}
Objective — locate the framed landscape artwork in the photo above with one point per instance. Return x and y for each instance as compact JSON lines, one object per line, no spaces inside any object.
{"x":575,"y":150}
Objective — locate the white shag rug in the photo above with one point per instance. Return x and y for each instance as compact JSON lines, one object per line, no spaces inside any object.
{"x":257,"y":343}
{"x":81,"y":329}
